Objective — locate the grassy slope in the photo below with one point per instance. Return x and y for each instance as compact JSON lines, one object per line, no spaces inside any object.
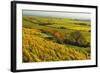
{"x":35,"y":48}
{"x":69,"y":24}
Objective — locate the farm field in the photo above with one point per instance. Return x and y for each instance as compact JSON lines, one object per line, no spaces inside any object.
{"x":46,"y":39}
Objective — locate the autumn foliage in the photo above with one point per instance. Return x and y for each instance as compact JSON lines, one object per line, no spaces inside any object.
{"x":37,"y":49}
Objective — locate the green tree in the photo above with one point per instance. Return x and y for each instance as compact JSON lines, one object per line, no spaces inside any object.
{"x":76,"y":38}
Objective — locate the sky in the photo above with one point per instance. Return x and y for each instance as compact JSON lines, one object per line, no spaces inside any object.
{"x":61,"y":14}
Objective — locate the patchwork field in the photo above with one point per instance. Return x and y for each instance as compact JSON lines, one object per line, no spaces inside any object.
{"x":55,"y":39}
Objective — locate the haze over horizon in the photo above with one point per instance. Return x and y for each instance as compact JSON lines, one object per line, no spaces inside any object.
{"x":61,"y":14}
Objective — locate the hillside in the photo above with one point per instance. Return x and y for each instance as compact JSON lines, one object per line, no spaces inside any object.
{"x":55,"y":39}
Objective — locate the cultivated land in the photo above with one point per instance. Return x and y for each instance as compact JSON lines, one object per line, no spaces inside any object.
{"x":55,"y":39}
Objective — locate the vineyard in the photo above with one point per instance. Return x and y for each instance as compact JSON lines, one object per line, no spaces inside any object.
{"x":44,"y":41}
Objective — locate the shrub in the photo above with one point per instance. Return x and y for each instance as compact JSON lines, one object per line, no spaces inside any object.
{"x":82,"y":24}
{"x":89,"y":30}
{"x":76,"y":38}
{"x":62,"y":27}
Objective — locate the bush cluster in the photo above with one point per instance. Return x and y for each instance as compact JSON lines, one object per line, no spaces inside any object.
{"x":76,"y":38}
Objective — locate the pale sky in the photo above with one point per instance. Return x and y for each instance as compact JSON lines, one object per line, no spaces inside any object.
{"x":73,"y":15}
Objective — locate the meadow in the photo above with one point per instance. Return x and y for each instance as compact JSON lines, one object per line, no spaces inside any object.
{"x":46,"y":39}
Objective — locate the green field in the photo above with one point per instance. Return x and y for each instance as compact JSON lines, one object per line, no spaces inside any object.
{"x":55,"y":39}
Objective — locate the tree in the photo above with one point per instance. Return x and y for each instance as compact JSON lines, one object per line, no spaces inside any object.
{"x":76,"y":38}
